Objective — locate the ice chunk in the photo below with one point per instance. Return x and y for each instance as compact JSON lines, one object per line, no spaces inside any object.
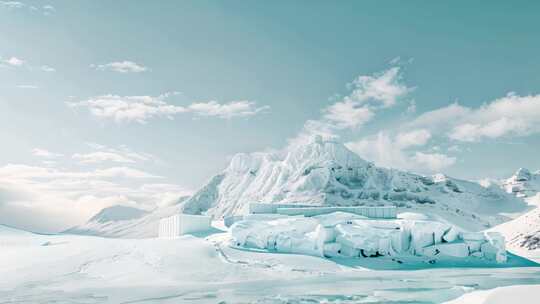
{"x":472,"y":236}
{"x":369,"y":239}
{"x":459,"y":250}
{"x":349,"y":251}
{"x":494,"y":248}
{"x":332,"y":249}
{"x":451,"y":235}
{"x":474,"y":246}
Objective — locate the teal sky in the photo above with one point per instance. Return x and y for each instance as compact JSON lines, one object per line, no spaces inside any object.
{"x":286,"y":62}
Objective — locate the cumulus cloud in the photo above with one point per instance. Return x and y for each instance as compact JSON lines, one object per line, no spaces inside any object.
{"x":509,"y":116}
{"x":413,"y":138}
{"x":120,"y":67}
{"x":383,"y":88}
{"x":434,"y":161}
{"x":142,"y":108}
{"x":367,"y":95}
{"x":347,"y":114}
{"x":398,"y":151}
{"x":13,"y":5}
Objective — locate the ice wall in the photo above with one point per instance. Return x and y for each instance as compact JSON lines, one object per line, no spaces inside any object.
{"x":352,"y":235}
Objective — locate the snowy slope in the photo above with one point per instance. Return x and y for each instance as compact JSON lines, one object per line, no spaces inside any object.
{"x":523,"y":233}
{"x":87,"y":269}
{"x":127,"y":222}
{"x":322,"y":172}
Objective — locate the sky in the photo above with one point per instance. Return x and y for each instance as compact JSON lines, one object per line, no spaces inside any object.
{"x":140,"y":102}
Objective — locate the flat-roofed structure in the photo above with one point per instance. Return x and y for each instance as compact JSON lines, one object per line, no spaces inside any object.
{"x":379,"y":212}
{"x":180,"y":224}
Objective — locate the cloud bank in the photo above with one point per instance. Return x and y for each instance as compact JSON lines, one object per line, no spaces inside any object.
{"x":141,"y":109}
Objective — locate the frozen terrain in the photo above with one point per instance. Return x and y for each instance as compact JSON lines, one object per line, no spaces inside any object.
{"x":321,"y":172}
{"x":523,"y":233}
{"x":204,"y":269}
{"x":523,"y":183}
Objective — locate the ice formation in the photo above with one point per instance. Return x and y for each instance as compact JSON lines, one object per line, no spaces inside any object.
{"x":350,"y":235}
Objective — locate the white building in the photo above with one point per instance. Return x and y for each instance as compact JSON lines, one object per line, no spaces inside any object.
{"x":180,"y":224}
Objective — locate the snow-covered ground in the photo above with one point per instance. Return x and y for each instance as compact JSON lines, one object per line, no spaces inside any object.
{"x":87,"y":269}
{"x":501,"y":295}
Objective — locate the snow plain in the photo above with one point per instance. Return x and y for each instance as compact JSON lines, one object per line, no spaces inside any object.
{"x":65,"y":268}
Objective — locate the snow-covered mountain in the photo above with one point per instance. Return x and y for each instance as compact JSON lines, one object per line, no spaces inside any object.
{"x":523,"y":183}
{"x":127,"y":222}
{"x":523,"y":233}
{"x":321,"y":172}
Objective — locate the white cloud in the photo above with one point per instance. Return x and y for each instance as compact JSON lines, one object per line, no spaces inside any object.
{"x":120,"y":67}
{"x":46,"y":68}
{"x":31,"y":203}
{"x":347,"y":114}
{"x":142,"y":108}
{"x":27,"y":86}
{"x":129,"y":108}
{"x":14,"y":62}
{"x":396,"y":151}
{"x":45,"y":153}
{"x":242,"y":108}
{"x":413,"y":138}
{"x":106,"y":154}
{"x":382,"y":150}
{"x":12,"y":4}
{"x":16,"y":171}
{"x":434,"y":161}
{"x":368,"y":94}
{"x":31,"y":195}
{"x":46,"y":9}
{"x":17,"y":62}
{"x":97,"y":157}
{"x":509,"y":116}
{"x":384,"y":88}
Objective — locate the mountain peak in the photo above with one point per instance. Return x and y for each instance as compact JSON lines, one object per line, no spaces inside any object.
{"x":318,"y":171}
{"x":117,"y":213}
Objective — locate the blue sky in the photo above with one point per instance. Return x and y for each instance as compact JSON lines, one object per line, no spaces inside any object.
{"x":106,"y":102}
